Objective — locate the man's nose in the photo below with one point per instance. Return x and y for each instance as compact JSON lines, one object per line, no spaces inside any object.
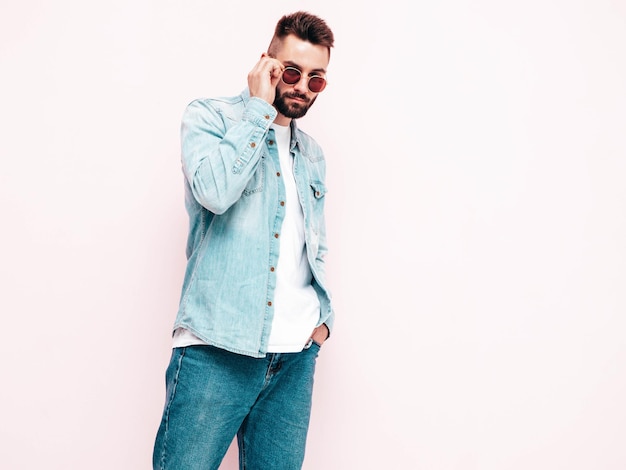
{"x":302,"y":85}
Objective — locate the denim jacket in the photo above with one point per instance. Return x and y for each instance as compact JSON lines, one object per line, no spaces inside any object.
{"x":234,"y":195}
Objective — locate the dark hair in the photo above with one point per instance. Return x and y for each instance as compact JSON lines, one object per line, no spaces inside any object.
{"x":305,"y":26}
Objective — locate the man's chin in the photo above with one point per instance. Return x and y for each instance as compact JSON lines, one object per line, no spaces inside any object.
{"x":295,"y":111}
{"x":292,"y":108}
{"x":299,"y":114}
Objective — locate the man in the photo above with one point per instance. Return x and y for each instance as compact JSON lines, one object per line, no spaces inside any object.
{"x":255,"y":307}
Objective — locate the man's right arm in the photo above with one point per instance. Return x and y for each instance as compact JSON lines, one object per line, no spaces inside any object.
{"x":218,"y":158}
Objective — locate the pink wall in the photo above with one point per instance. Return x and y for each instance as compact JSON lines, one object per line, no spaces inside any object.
{"x":476,"y":219}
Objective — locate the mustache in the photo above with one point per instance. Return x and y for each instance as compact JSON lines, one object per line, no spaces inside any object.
{"x":297,"y":95}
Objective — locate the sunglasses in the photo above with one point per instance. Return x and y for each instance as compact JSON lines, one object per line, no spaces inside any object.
{"x":291,"y":76}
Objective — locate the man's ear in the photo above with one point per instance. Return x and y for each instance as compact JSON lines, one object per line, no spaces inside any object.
{"x":263,"y":55}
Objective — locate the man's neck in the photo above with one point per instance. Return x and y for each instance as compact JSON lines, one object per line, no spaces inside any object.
{"x":282,"y":120}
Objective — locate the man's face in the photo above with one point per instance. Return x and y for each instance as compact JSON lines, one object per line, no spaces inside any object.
{"x":293,"y":101}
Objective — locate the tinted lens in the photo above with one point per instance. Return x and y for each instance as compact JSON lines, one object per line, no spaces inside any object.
{"x":317,"y":84}
{"x":291,"y":76}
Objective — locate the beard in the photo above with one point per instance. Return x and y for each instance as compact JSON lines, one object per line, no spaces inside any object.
{"x":293,"y":110}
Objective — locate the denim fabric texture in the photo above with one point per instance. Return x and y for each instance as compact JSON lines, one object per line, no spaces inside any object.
{"x":213,"y":395}
{"x":234,"y":195}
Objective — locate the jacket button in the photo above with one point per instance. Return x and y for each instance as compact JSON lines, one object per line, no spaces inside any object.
{"x":282,"y":203}
{"x":275,"y":235}
{"x":272,"y":269}
{"x":271,"y":142}
{"x":278,"y":173}
{"x":252,"y":144}
{"x":269,"y":304}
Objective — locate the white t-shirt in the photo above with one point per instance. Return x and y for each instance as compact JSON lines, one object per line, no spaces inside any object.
{"x":297,"y":307}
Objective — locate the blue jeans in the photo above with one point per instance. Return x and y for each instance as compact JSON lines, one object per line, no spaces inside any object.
{"x":213,"y":395}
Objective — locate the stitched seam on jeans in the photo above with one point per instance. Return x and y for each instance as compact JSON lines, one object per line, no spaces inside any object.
{"x":169,"y":404}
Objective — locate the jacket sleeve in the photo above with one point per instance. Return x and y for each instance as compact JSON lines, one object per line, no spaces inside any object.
{"x":219,"y":156}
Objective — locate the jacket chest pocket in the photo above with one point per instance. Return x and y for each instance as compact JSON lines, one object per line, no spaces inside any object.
{"x":256,"y":183}
{"x":318,"y":191}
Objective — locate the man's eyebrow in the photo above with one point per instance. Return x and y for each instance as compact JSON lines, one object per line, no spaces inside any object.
{"x":290,"y":63}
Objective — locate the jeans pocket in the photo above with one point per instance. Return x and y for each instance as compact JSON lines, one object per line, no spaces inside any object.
{"x":312,"y":342}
